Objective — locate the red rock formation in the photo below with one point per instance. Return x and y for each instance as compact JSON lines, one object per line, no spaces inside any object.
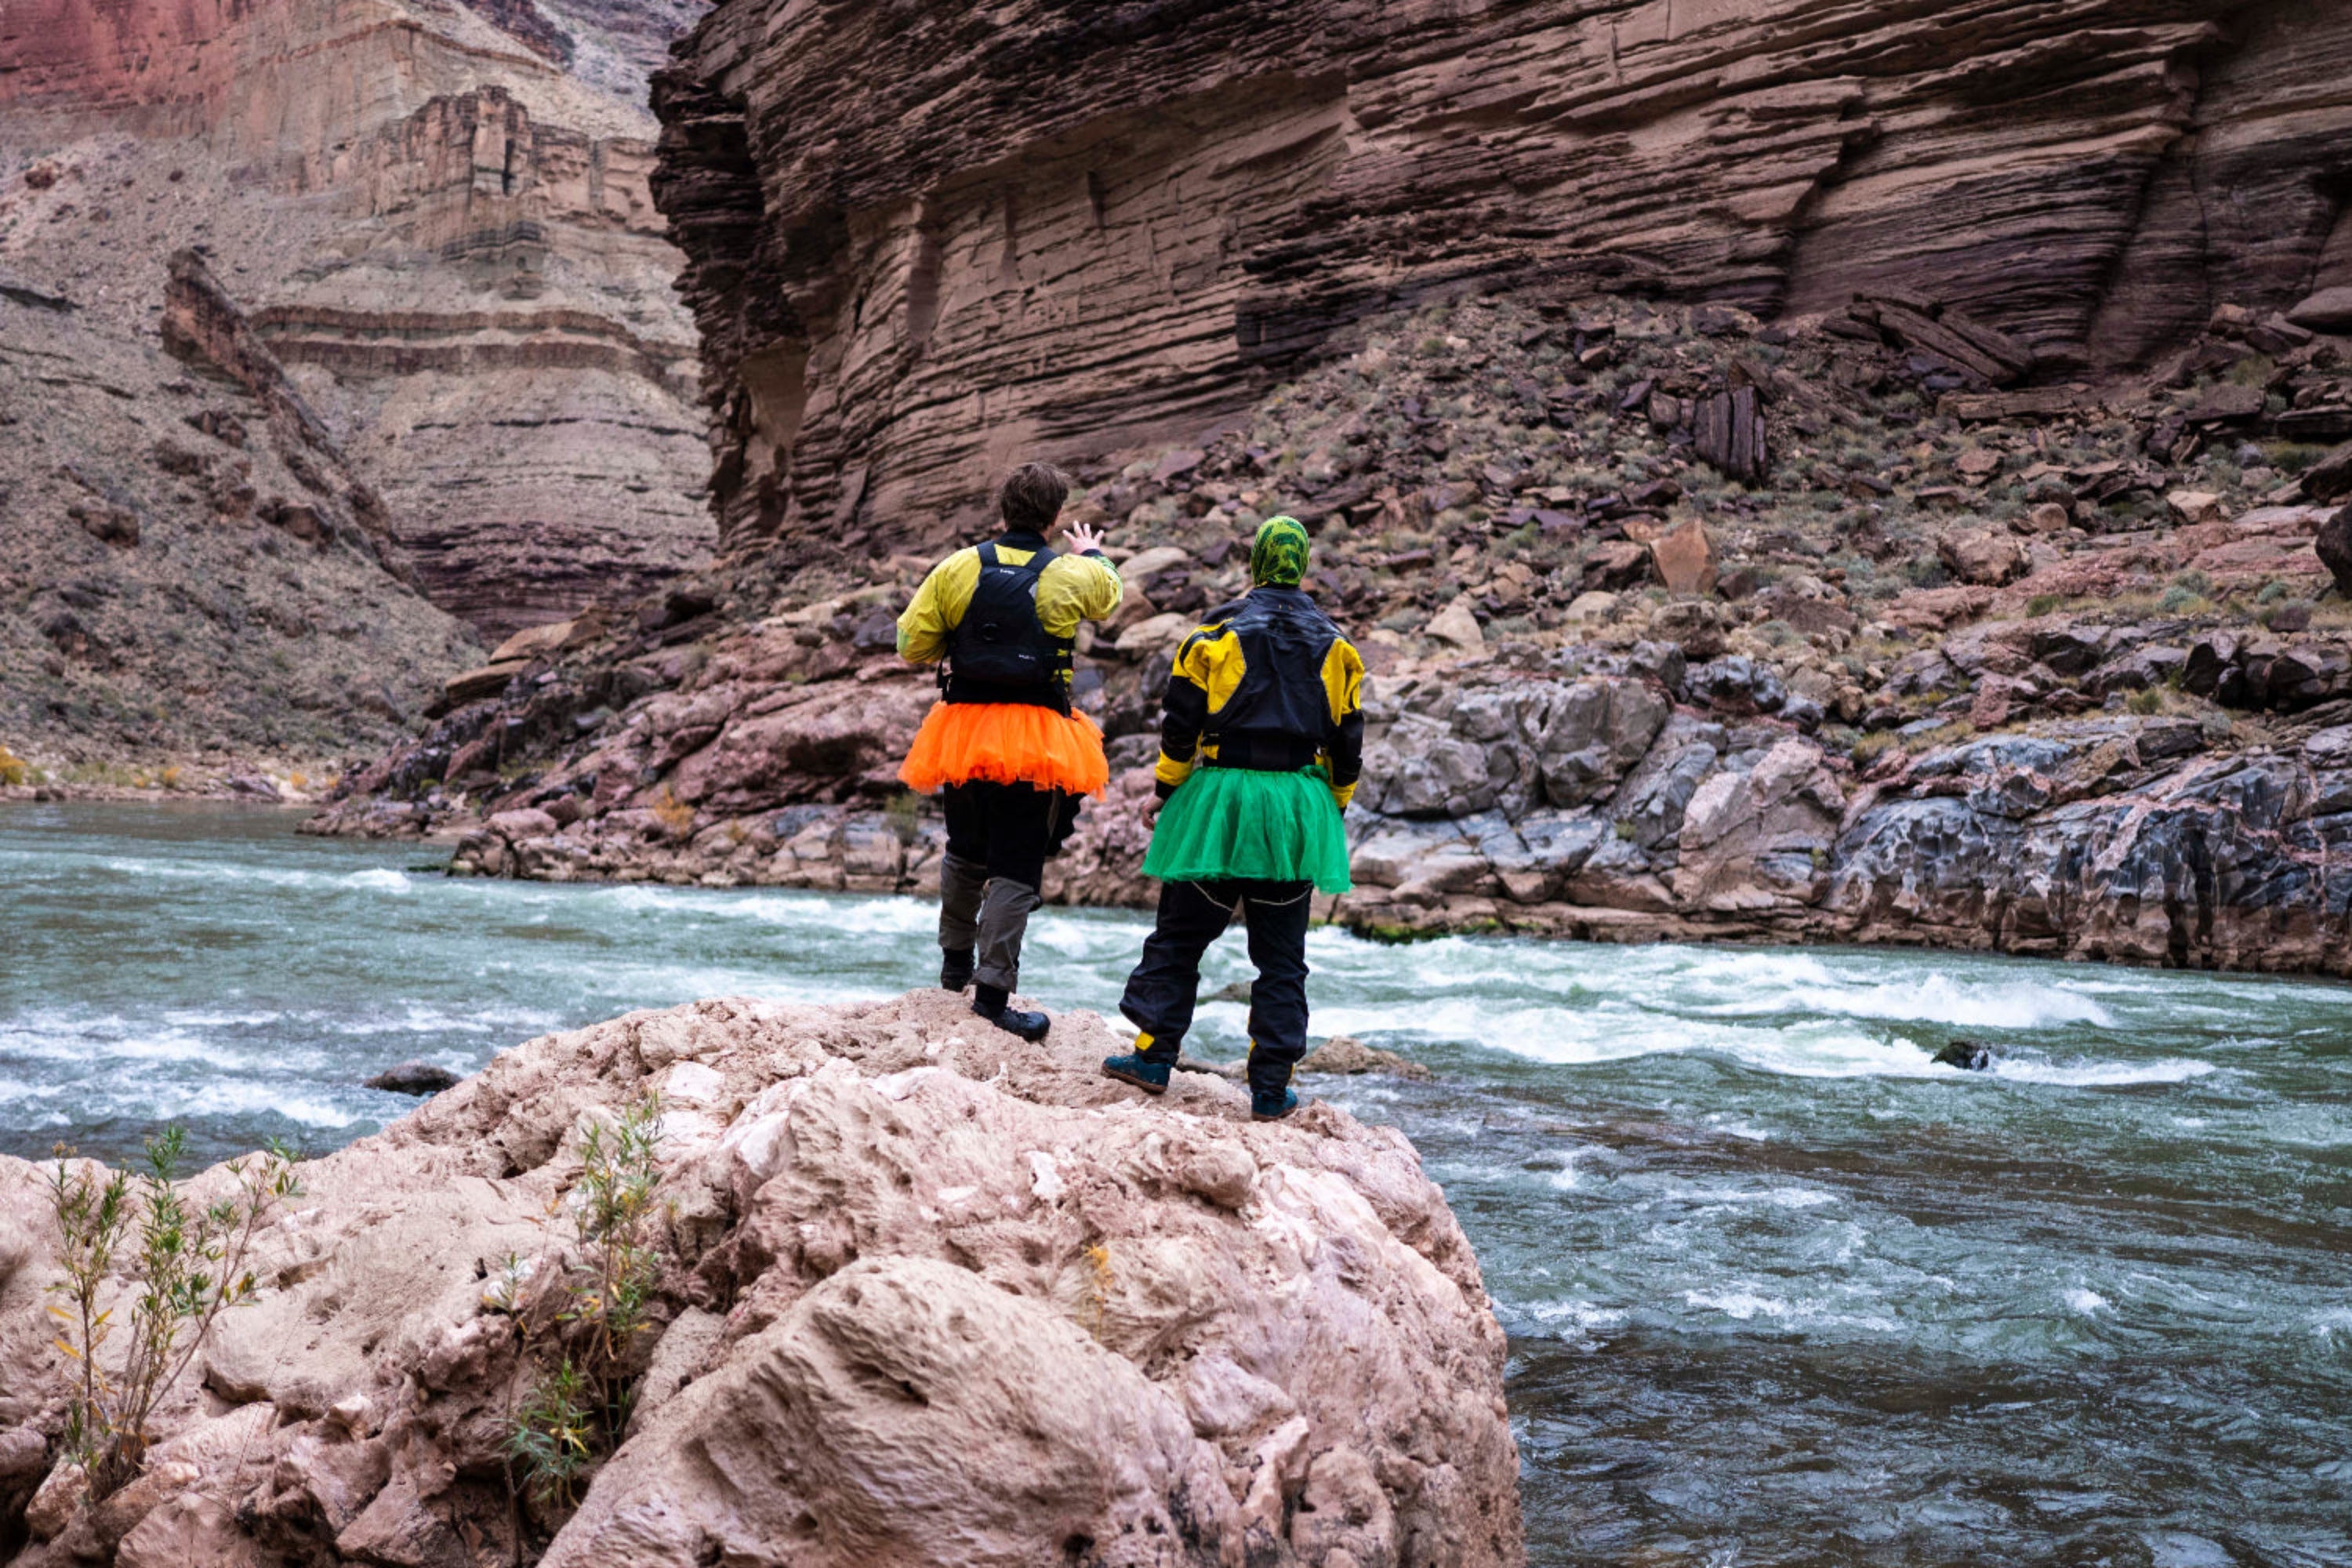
{"x":921,"y":243}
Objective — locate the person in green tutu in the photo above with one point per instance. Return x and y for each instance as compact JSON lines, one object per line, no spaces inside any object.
{"x":1261,"y":738}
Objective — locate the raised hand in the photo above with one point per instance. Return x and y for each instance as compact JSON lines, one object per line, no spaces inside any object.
{"x":1083,"y":537}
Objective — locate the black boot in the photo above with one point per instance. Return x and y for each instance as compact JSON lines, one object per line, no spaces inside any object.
{"x":990,"y":1002}
{"x":955,"y":968}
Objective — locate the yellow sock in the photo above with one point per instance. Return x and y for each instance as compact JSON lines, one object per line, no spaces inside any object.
{"x":1142,"y":1041}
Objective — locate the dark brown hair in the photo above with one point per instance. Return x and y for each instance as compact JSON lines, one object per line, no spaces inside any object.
{"x":1031,"y":495}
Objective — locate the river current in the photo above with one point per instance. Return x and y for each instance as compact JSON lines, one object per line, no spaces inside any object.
{"x":1780,"y":1290}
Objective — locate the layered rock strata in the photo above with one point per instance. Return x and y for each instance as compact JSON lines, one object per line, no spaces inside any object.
{"x":439,"y":230}
{"x":919,"y":245}
{"x":193,"y":572}
{"x":927,"y":1296}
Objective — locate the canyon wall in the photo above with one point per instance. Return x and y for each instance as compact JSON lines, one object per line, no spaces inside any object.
{"x":436,"y":218}
{"x":921,"y":241}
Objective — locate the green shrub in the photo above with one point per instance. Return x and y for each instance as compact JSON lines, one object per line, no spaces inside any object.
{"x":579,"y":1399}
{"x":2294,"y":457}
{"x":905,"y":815}
{"x":2150,"y":700}
{"x":2254,"y":370}
{"x":183,"y":1266}
{"x":1872,"y":746}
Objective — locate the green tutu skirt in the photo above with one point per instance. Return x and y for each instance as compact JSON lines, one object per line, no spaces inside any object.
{"x":1237,"y":825}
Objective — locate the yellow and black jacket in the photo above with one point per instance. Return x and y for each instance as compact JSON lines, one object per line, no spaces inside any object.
{"x":1269,"y":684}
{"x":1070,"y":590}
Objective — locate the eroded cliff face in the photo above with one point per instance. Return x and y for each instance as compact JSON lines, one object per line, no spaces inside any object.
{"x":441,"y":230}
{"x":921,"y":241}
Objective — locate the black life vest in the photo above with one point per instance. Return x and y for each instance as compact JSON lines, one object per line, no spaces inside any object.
{"x":1279,"y":717}
{"x":1000,"y":651}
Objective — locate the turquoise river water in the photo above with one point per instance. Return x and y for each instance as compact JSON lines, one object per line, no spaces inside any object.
{"x":1779,"y":1290}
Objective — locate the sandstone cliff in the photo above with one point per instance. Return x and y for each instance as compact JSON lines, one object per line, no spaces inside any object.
{"x":927,"y":1295}
{"x":438,"y":226}
{"x":921,"y":240}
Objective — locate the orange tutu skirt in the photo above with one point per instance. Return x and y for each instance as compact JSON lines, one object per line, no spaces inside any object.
{"x":1006,"y":743}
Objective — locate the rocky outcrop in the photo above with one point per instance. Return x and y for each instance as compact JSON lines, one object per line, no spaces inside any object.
{"x":915,"y":250}
{"x":926,"y":1295}
{"x":2102,"y":838}
{"x":1633,"y":797}
{"x":437,"y":226}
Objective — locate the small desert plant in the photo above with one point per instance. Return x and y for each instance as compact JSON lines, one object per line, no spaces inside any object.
{"x":553,"y":1434}
{"x":2254,"y":370}
{"x":675,"y":816}
{"x":905,"y":815}
{"x":185,"y":1265}
{"x":615,"y":1203}
{"x":577,"y":1407}
{"x":1872,"y":746}
{"x":2146,"y":701}
{"x":13,"y":769}
{"x":2294,"y":456}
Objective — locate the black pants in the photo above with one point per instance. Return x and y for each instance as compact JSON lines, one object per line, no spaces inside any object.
{"x":1165,"y":986}
{"x":999,"y":839}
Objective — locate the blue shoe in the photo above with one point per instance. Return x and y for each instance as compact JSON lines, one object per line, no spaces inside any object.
{"x":1150,"y":1077}
{"x":1264,"y":1107}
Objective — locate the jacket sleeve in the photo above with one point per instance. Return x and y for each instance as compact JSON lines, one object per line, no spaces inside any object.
{"x":1077,"y":588}
{"x":1100,"y":590}
{"x":938,"y":605}
{"x":1183,"y":714}
{"x":1343,"y":690}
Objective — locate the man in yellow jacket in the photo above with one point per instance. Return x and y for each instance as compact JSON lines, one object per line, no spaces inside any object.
{"x":1003,"y":746}
{"x":1260,"y":741}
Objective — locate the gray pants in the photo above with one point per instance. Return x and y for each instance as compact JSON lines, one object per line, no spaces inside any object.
{"x":988,"y":916}
{"x":999,"y":838}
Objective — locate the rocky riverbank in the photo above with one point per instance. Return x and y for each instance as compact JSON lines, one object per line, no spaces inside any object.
{"x":1929,"y":677}
{"x":923,"y":1294}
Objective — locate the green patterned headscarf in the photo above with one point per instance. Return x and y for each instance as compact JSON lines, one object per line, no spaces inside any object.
{"x":1278,"y":558}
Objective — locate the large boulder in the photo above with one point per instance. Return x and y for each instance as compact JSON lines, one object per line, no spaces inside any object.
{"x":1759,"y":838}
{"x":1986,"y":557}
{"x":2330,"y":478}
{"x":2328,"y":310}
{"x":1510,"y":747}
{"x":929,"y":1295}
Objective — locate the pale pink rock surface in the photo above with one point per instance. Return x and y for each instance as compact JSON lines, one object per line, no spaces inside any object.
{"x":932,"y":1296}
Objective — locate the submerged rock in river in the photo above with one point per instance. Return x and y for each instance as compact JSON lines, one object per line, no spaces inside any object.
{"x":929,"y":1295}
{"x":414,"y":1078}
{"x":1968,"y":1056}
